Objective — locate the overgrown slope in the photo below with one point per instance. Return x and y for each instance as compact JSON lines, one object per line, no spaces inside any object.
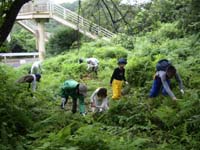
{"x":134,"y":122}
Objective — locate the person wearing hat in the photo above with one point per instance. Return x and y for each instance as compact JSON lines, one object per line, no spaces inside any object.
{"x":117,"y":79}
{"x":31,"y":79}
{"x":75,"y":90}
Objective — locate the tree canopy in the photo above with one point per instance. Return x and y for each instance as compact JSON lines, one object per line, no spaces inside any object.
{"x":8,"y":13}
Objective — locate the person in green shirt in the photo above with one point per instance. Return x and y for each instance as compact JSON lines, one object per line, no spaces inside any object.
{"x":75,"y":90}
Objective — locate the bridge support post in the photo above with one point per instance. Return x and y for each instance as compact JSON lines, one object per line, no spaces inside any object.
{"x":41,"y":41}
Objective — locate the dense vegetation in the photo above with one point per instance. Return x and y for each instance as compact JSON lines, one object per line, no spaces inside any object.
{"x":133,"y":123}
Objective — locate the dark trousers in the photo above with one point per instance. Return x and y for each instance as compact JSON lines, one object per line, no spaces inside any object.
{"x":74,"y":103}
{"x":157,"y":86}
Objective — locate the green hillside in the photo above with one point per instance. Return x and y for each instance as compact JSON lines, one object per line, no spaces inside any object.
{"x":132,"y":123}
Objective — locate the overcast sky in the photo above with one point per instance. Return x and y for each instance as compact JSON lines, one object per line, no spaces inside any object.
{"x":124,"y":1}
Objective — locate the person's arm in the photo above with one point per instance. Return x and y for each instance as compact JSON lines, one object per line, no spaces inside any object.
{"x":62,"y":92}
{"x":113,"y":76}
{"x":92,"y":98}
{"x":166,"y":86}
{"x":124,"y":78}
{"x":104,"y":104}
{"x":107,"y":104}
{"x":34,"y":83}
{"x":89,"y":65}
{"x":32,"y":69}
{"x":96,"y":63}
{"x":178,"y":79}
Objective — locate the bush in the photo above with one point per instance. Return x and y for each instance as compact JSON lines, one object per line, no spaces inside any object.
{"x":111,"y":52}
{"x":140,"y":70}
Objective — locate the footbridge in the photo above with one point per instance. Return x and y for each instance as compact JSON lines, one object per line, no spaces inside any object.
{"x":42,"y":10}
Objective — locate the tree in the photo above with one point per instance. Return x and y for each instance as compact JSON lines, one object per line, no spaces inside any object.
{"x":21,"y":38}
{"x":62,"y":40}
{"x":109,"y":14}
{"x":8,"y":12}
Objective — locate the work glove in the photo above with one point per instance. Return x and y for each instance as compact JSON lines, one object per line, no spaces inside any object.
{"x":182,"y":91}
{"x":174,"y":98}
{"x":63,"y":103}
{"x":83,"y":114}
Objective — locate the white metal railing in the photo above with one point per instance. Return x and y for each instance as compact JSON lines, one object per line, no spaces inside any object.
{"x":19,"y":58}
{"x":67,"y":15}
{"x":5,"y":55}
{"x":19,"y":54}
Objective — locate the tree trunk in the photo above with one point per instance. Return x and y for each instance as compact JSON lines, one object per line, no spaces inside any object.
{"x":9,"y":21}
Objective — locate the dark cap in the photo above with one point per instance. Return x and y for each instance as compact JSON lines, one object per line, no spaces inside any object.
{"x":122,"y":61}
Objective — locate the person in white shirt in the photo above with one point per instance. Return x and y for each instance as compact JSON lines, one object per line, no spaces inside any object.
{"x":36,"y":68}
{"x":99,"y":100}
{"x":92,"y":64}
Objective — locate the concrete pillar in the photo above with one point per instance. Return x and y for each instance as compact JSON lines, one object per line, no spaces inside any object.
{"x":36,"y":39}
{"x":41,"y":41}
{"x":9,"y":38}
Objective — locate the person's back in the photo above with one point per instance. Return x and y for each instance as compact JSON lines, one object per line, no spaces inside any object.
{"x":36,"y":68}
{"x":92,"y":61}
{"x":92,"y":64}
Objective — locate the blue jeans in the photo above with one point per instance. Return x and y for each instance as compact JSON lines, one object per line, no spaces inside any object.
{"x":156,"y":87}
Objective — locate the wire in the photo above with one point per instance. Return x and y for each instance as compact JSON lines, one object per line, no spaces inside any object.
{"x":78,"y":36}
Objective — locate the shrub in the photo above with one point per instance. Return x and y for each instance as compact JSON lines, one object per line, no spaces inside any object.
{"x":140,"y":70}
